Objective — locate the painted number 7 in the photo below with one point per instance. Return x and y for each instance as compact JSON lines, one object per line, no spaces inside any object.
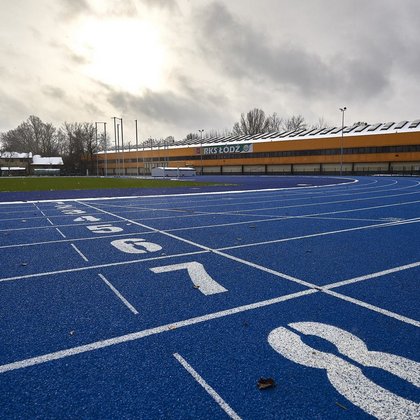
{"x":198,"y":275}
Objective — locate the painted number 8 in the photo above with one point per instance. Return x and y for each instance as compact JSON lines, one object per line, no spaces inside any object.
{"x":347,"y":378}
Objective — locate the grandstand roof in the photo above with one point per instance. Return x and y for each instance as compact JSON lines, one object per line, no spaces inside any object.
{"x":300,"y":134}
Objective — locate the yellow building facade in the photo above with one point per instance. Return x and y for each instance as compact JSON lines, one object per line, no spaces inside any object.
{"x":375,"y":148}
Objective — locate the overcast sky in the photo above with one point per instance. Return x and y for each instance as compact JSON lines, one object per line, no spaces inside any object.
{"x":178,"y":66}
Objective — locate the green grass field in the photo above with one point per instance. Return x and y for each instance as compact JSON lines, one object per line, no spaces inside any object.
{"x":86,"y":183}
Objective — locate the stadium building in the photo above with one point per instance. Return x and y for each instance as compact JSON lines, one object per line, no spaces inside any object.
{"x":358,"y":149}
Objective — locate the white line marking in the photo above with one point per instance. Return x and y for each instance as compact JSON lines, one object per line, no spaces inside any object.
{"x":120,"y":296}
{"x":94,"y":267}
{"x":371,"y":276}
{"x":145,"y":333}
{"x":43,"y":214}
{"x":211,"y":391}
{"x":61,"y":233}
{"x":352,"y":181}
{"x":332,"y":232}
{"x":79,"y":252}
{"x":282,"y":275}
{"x":373,"y":308}
{"x":63,"y":241}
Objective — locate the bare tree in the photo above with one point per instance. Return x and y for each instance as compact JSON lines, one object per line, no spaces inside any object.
{"x":296,"y":122}
{"x":274,"y":122}
{"x":236,"y":130}
{"x":192,"y":136}
{"x":254,"y":122}
{"x":321,"y":123}
{"x":34,"y":136}
{"x":81,"y":145}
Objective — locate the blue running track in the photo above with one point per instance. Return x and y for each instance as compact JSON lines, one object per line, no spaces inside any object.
{"x":183,"y":304}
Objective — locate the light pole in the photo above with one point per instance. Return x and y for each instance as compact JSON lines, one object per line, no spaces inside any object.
{"x":343,"y":110}
{"x":117,"y":139}
{"x":96,"y":128}
{"x":201,"y":149}
{"x":96,"y":138}
{"x":137,"y":149}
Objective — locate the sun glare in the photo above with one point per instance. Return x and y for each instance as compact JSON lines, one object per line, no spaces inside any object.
{"x":125,"y":53}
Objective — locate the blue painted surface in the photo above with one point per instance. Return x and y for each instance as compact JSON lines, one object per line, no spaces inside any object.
{"x":240,"y":183}
{"x":44,"y":313}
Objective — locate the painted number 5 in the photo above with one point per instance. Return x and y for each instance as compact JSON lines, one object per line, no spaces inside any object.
{"x":347,"y":378}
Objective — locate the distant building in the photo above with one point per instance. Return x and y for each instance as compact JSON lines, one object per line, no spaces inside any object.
{"x":22,"y":164}
{"x":15,"y":164}
{"x":160,"y":171}
{"x":46,"y":165}
{"x":392,"y":147}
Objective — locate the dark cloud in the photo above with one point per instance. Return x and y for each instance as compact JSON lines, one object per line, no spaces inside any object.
{"x":161,"y":4}
{"x":243,"y":52}
{"x":12,"y":110}
{"x":166,"y":108}
{"x":73,"y":8}
{"x":54,"y":92}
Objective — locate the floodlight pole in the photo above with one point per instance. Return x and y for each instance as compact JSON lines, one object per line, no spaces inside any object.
{"x":122,"y":145}
{"x":96,"y":129}
{"x":201,"y":149}
{"x":97,"y":151}
{"x":116,"y":147}
{"x":106,"y":147}
{"x":137,"y":148}
{"x":343,"y":110}
{"x":117,"y":139}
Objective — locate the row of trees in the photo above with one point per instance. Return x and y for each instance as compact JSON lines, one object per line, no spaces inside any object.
{"x":77,"y":143}
{"x":256,"y":121}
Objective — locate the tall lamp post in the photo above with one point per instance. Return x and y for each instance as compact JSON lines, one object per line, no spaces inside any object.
{"x":343,"y":110}
{"x":96,"y":129}
{"x":117,"y":140}
{"x":201,"y":149}
{"x":137,"y":149}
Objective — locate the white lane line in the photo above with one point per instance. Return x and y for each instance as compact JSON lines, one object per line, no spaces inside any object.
{"x":253,"y":203}
{"x":373,"y":308}
{"x":95,"y":267}
{"x":44,"y":215}
{"x":61,"y":233}
{"x":371,"y":276}
{"x":211,"y":391}
{"x":96,"y":345}
{"x":267,"y":218}
{"x":119,"y":295}
{"x":63,"y":241}
{"x":49,"y":227}
{"x":314,"y":235}
{"x":79,"y":252}
{"x":270,"y":218}
{"x":134,"y":197}
{"x":259,"y":267}
{"x":195,"y":244}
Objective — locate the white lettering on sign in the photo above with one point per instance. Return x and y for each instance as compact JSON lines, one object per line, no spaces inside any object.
{"x":104,"y":229}
{"x":135,"y":246}
{"x":347,"y":378}
{"x":86,"y":219}
{"x":198,"y":275}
